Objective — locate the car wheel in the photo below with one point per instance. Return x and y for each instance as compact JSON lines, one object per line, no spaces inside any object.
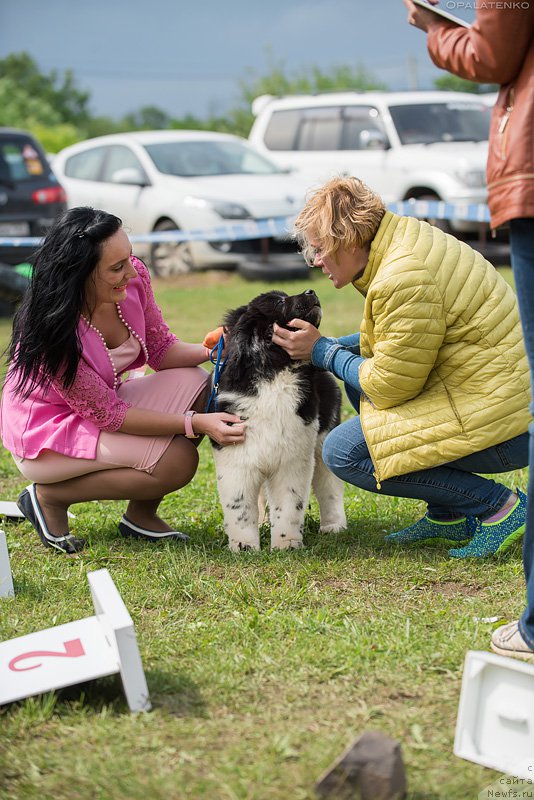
{"x":170,"y":258}
{"x":271,"y":271}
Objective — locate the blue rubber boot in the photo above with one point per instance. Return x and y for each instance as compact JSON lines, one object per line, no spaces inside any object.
{"x":492,"y":538}
{"x":432,"y":530}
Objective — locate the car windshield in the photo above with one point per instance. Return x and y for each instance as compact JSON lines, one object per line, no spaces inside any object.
{"x":427,"y":123}
{"x":193,"y":159}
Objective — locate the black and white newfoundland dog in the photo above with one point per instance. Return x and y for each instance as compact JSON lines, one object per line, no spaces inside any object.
{"x":289,"y":406}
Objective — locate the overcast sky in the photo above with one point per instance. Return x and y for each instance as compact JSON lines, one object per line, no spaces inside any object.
{"x":186,"y":56}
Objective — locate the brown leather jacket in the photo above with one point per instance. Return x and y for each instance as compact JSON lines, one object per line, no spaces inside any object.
{"x":499,"y":48}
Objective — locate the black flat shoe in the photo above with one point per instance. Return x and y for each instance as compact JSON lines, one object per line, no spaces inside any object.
{"x":29,"y":505}
{"x":129,"y":528}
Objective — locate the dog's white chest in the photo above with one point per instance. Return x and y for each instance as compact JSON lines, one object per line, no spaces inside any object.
{"x":274,"y":428}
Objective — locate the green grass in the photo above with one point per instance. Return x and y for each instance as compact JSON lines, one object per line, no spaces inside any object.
{"x":262,"y":667}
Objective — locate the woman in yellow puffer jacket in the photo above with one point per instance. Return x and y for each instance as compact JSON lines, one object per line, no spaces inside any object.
{"x":438,"y":371}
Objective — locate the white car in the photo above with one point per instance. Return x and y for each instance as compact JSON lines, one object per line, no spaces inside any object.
{"x":425,"y":145}
{"x":166,"y":180}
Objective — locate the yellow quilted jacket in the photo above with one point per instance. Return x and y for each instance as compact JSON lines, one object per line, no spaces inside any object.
{"x":446,"y":373}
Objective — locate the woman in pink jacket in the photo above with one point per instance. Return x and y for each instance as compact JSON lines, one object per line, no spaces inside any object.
{"x":74,"y":426}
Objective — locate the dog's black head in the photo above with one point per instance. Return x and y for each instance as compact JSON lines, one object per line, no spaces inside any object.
{"x":250,"y":328}
{"x":259,"y":316}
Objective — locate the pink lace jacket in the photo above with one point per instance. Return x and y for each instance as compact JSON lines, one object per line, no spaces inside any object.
{"x":70,"y":421}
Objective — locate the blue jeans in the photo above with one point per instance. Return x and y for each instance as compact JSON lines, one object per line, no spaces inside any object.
{"x":451,"y":490}
{"x":522,"y":246}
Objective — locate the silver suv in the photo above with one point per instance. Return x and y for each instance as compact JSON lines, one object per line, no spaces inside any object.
{"x":425,"y":145}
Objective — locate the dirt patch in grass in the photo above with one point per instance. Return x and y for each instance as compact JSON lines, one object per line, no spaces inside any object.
{"x":339,"y":584}
{"x":402,"y":696}
{"x":451,"y":588}
{"x":218,"y":571}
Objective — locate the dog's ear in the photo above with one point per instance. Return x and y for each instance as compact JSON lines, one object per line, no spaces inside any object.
{"x":246,"y":323}
{"x":232,"y":317}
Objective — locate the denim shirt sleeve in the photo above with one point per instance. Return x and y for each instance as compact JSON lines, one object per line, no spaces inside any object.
{"x":329,"y":354}
{"x":351,"y":342}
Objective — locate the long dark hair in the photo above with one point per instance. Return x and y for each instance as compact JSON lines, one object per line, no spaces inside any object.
{"x":45,"y":343}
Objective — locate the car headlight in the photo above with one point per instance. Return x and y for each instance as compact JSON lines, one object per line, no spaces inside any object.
{"x":474,"y":178}
{"x":229,"y":210}
{"x":223,"y":208}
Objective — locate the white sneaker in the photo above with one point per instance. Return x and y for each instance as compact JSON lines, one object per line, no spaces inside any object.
{"x":507,"y":641}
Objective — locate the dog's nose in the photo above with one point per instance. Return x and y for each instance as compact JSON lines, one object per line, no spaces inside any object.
{"x":310,"y":291}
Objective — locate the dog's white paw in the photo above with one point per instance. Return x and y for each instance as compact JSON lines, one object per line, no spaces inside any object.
{"x":239,"y":546}
{"x":334,"y":527}
{"x":287,"y":544}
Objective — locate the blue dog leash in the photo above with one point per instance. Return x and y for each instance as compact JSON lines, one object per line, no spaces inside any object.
{"x":216,"y":358}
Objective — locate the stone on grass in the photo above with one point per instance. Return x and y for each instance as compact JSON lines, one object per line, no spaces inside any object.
{"x":371,"y":768}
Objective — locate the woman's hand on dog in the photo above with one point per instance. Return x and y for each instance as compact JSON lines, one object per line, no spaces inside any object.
{"x":223,"y":428}
{"x":298,"y":344}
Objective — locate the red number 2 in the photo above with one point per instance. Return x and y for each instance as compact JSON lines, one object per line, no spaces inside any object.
{"x":73,"y":649}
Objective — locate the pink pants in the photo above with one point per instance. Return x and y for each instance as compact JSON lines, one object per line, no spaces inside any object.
{"x":172,"y":391}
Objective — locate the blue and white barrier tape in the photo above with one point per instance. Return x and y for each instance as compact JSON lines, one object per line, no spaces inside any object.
{"x":281,"y":226}
{"x":248,"y":229}
{"x":437,"y":209}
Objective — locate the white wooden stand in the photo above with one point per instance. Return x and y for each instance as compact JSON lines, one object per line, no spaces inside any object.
{"x":79,"y":651}
{"x":6,"y":579}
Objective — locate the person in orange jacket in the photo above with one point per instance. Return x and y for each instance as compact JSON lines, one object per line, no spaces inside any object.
{"x":499,"y":48}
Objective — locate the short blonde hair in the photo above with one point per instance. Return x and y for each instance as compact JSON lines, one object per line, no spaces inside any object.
{"x":342,"y":213}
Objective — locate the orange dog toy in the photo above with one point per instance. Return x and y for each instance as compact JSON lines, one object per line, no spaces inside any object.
{"x":211,"y":339}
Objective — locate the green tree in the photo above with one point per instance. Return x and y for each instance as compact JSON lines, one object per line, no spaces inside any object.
{"x":54,"y":138}
{"x":59,"y":93}
{"x":19,"y":108}
{"x":102,"y":125}
{"x":452,"y":83}
{"x":227,"y":124}
{"x":51,"y":106}
{"x":147,"y":118}
{"x":343,"y":77}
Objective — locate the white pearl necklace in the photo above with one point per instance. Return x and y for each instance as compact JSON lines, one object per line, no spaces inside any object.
{"x":131,"y":330}
{"x":116,"y":378}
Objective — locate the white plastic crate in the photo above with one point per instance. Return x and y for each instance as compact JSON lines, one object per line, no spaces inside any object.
{"x":495,"y":725}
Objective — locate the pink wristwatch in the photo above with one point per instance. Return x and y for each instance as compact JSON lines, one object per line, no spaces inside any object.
{"x":188,"y":423}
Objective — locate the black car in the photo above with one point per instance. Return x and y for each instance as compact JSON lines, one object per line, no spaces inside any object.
{"x":30,"y":195}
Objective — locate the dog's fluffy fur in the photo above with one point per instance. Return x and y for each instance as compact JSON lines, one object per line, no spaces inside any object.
{"x":289,"y":406}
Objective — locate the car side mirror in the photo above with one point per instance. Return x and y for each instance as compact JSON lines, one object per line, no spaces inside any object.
{"x":130,"y":176}
{"x":373,"y":139}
